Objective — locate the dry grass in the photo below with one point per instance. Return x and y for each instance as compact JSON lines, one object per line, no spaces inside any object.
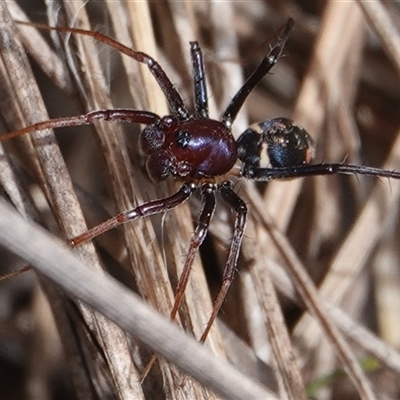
{"x":338,"y":78}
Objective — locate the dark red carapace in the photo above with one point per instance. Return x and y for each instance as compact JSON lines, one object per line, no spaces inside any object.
{"x":193,"y":149}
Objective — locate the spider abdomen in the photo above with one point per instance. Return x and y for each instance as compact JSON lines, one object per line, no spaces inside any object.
{"x":275,"y":143}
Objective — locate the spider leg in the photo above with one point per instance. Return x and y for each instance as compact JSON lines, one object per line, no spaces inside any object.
{"x":144,"y":210}
{"x":265,"y":66}
{"x":239,"y":207}
{"x":207,"y":211}
{"x":208,"y":206}
{"x":268,"y":174}
{"x":175,"y":101}
{"x":199,"y":77}
{"x":118,"y":115}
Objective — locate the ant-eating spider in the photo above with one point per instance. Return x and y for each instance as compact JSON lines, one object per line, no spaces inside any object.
{"x":202,"y":152}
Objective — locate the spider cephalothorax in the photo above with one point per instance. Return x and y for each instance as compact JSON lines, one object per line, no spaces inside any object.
{"x":193,"y":149}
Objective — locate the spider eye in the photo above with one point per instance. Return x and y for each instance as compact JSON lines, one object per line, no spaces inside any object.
{"x":182,"y":139}
{"x":275,"y":143}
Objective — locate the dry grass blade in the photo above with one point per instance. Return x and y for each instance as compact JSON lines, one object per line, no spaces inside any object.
{"x":385,"y":27}
{"x":309,"y":295}
{"x":62,"y":197}
{"x":286,"y":366}
{"x":39,"y":49}
{"x":122,"y":306}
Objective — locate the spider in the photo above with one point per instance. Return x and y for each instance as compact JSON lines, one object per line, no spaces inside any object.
{"x":201,"y":153}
